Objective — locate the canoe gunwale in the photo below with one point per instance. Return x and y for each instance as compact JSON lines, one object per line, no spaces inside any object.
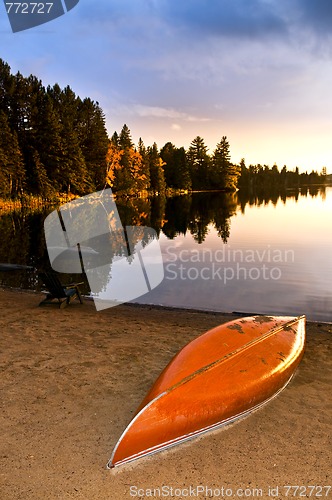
{"x":130,"y":425}
{"x":186,"y":437}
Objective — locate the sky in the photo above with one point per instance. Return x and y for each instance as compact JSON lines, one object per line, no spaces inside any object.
{"x":256,"y":71}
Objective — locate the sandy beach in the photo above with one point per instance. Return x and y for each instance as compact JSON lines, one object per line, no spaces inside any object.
{"x":71,"y":380}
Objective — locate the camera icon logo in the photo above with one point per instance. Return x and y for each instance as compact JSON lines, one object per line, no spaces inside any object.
{"x":120,"y":263}
{"x":25,"y":15}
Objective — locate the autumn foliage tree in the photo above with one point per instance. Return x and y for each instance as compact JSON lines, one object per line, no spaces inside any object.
{"x":132,"y":170}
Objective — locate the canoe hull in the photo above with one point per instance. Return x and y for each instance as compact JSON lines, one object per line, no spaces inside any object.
{"x":219,"y":377}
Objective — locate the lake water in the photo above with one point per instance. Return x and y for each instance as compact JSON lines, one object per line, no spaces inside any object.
{"x":277,"y":260}
{"x":224,"y":253}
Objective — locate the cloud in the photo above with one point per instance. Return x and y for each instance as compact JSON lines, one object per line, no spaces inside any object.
{"x":116,"y":11}
{"x":144,"y":111}
{"x":243,"y":19}
{"x":176,"y":126}
{"x":316,"y":14}
{"x":227,"y":18}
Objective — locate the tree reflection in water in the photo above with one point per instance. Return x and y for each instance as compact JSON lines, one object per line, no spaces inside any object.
{"x":22,"y":232}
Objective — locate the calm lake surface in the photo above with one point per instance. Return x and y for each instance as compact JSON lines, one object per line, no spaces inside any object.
{"x":277,"y":260}
{"x":224,"y":253}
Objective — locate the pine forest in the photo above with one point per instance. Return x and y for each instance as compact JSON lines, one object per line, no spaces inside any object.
{"x":53,"y":143}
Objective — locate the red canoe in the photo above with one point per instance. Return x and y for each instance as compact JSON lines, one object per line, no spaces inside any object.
{"x":217,"y":378}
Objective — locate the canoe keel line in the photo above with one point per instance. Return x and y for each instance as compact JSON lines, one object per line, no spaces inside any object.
{"x":218,"y":378}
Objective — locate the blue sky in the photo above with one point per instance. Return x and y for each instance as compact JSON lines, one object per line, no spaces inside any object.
{"x":257,"y":71}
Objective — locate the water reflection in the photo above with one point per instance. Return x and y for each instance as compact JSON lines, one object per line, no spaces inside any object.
{"x":263,"y":197}
{"x":194,"y":214}
{"x":22,"y":242}
{"x":209,"y":221}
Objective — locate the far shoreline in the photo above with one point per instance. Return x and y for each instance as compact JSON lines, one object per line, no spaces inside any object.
{"x":31,"y":201}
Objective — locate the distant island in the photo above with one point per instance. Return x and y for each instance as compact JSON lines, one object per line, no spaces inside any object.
{"x":53,"y":144}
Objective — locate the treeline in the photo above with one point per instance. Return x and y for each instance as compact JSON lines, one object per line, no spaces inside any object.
{"x":53,"y":142}
{"x":197,"y":170}
{"x":132,"y":169}
{"x":263,"y":178}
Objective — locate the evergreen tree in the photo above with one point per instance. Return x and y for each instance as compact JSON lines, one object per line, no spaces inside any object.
{"x":283,"y":177}
{"x":182,"y":180}
{"x":199,"y":164}
{"x":7,"y":87}
{"x":3,"y":171}
{"x":125,"y":140}
{"x":39,"y":180}
{"x":157,"y":177}
{"x":176,"y":167}
{"x":115,"y":139}
{"x":46,"y":147}
{"x":244,"y":178}
{"x":23,"y":105}
{"x":93,"y":140}
{"x":124,"y":179}
{"x":167,"y":154}
{"x":145,"y":168}
{"x":36,"y":130}
{"x":74,"y":175}
{"x":17,"y":178}
{"x":225,"y":174}
{"x":12,"y":173}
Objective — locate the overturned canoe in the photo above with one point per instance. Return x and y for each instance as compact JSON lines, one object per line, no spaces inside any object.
{"x":217,"y":378}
